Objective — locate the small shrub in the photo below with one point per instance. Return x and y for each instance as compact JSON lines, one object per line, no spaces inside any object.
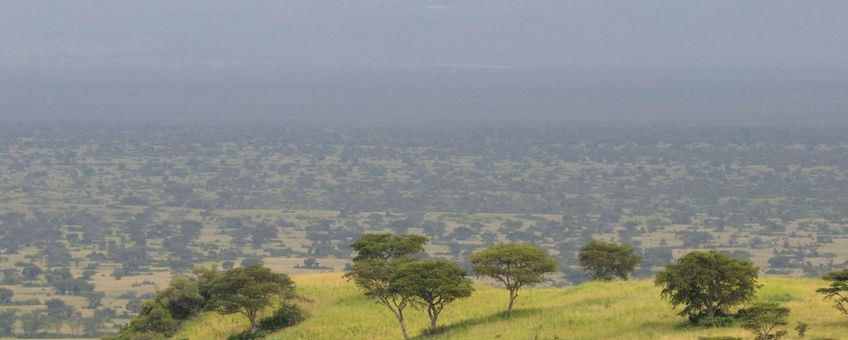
{"x":286,"y":316}
{"x":802,"y":329}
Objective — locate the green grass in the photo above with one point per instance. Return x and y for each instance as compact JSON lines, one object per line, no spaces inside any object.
{"x":613,"y":310}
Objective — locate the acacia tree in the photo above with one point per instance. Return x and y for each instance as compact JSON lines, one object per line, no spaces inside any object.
{"x":607,"y":260}
{"x":763,"y":318}
{"x":31,"y":271}
{"x":838,"y":290}
{"x":379,"y":256}
{"x":387,"y":247}
{"x":433,"y":284}
{"x":515,"y":265}
{"x":248,"y":290}
{"x":707,"y":283}
{"x":34,"y":323}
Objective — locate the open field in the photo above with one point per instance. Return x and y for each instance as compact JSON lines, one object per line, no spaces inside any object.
{"x":613,"y":310}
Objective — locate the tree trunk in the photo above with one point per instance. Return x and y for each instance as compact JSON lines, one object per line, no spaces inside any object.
{"x":402,"y":324}
{"x":512,"y":296}
{"x":434,"y":316}
{"x":710,"y":311}
{"x":433,"y":323}
{"x":252,"y":316}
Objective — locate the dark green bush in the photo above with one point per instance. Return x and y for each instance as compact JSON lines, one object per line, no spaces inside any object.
{"x":287,"y":315}
{"x":154,"y":319}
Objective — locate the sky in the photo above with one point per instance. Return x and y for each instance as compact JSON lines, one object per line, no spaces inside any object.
{"x":448,"y":62}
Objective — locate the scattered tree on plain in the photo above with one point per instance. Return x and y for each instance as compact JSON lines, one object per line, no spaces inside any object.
{"x":379,"y":256}
{"x":433,"y":284}
{"x":7,"y":322}
{"x":31,"y":271}
{"x":607,"y":260}
{"x":763,"y":318}
{"x":515,"y":265}
{"x":248,"y":290}
{"x":707,"y":284}
{"x":34,"y":323}
{"x":58,"y":312}
{"x":6,"y":295}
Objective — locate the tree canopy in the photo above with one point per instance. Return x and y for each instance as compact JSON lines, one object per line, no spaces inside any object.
{"x":432,"y":284}
{"x":515,"y":265}
{"x":248,"y":290}
{"x":387,"y":246}
{"x":182,"y":298}
{"x":6,"y":295}
{"x":707,"y":283}
{"x":607,"y":260}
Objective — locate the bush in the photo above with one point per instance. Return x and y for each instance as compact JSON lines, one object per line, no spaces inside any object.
{"x":182,"y":298}
{"x":286,"y":316}
{"x":154,"y":319}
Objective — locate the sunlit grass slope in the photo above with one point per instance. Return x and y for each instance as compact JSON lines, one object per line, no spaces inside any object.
{"x":614,"y":310}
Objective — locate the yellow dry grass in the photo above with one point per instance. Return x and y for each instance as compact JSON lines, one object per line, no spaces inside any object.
{"x":609,"y":310}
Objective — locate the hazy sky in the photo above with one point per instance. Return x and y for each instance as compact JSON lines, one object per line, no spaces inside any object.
{"x":355,"y":61}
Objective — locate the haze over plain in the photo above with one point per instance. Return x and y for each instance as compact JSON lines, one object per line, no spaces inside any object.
{"x":464,"y":62}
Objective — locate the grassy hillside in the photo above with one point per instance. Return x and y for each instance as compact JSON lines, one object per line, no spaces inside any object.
{"x":615,"y":310}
